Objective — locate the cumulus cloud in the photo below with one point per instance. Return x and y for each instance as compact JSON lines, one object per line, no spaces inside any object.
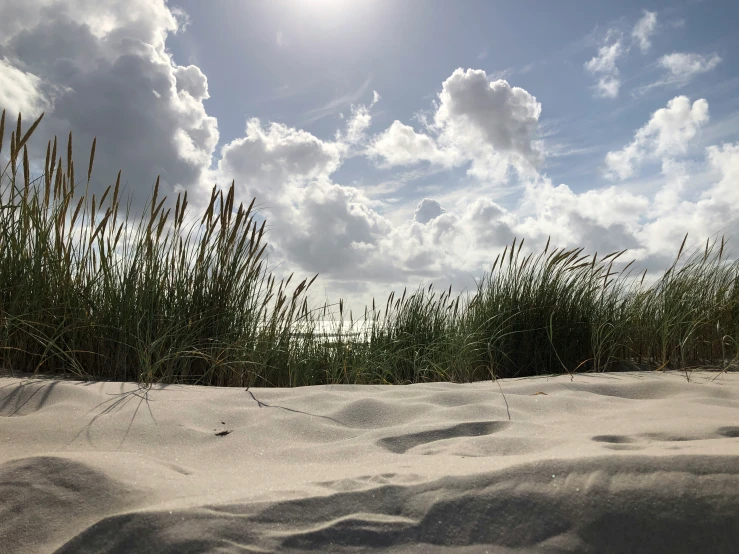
{"x":451,"y":243}
{"x":602,"y":220}
{"x":267,"y":162}
{"x":101,"y":69}
{"x":714,"y":213}
{"x":644,"y":29}
{"x":603,"y":66}
{"x":503,"y":117}
{"x":316,"y":224}
{"x":192,"y":81}
{"x":666,"y":135}
{"x":725,"y":160}
{"x":490,"y":125}
{"x":670,"y":195}
{"x":427,"y":210}
{"x":337,"y":231}
{"x":487,"y":223}
{"x":20,"y":91}
{"x":400,"y":144}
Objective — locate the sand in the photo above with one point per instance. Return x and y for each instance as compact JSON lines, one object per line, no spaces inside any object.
{"x":611,"y":462}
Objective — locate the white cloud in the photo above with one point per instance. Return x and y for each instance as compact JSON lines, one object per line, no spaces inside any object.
{"x":601,"y":220}
{"x":335,"y":232}
{"x":669,"y":196}
{"x":358,"y":123}
{"x":503,"y":117}
{"x":192,"y":81}
{"x":666,"y":135}
{"x":502,"y":74}
{"x":20,"y":91}
{"x":603,"y":66}
{"x":715,"y":212}
{"x":266,"y":162}
{"x":101,"y":70}
{"x":427,"y":210}
{"x":682,"y":67}
{"x":491,"y":125}
{"x":605,"y":61}
{"x":644,"y":29}
{"x":280,"y":39}
{"x":725,"y":160}
{"x":400,"y":144}
{"x":608,"y":86}
{"x":316,"y":225}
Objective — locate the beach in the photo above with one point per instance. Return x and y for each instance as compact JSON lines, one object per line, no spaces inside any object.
{"x":369,"y":276}
{"x":608,"y":462}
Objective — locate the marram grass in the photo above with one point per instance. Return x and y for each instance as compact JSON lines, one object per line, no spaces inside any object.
{"x":81,"y":295}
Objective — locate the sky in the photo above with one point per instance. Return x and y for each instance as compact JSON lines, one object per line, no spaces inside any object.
{"x":399,"y":143}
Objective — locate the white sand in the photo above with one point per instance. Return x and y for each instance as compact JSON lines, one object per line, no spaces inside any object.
{"x":612,"y":462}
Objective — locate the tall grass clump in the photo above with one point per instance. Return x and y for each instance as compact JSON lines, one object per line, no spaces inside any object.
{"x":81,"y":293}
{"x":561,"y":312}
{"x":567,"y":313}
{"x":151,"y":309}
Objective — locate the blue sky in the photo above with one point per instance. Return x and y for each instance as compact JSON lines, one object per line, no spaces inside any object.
{"x":394,"y":143}
{"x":402,"y":50}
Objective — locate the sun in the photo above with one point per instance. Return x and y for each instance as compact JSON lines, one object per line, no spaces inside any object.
{"x":329,"y":12}
{"x":323,"y":4}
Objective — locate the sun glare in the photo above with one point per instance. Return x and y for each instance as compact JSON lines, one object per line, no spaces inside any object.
{"x":329,"y":14}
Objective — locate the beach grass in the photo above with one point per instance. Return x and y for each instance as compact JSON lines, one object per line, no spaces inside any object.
{"x":89,"y":292}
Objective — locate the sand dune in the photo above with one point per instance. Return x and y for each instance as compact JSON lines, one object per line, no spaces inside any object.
{"x":612,"y":462}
